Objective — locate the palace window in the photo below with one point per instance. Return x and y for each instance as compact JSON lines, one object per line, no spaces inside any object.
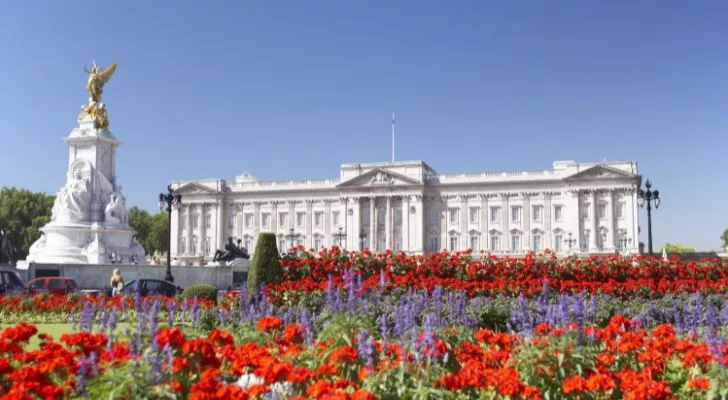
{"x":231,"y":221}
{"x":434,"y":245}
{"x":381,"y":215}
{"x":558,"y":213}
{"x":365,"y":217}
{"x":602,"y":240}
{"x":453,"y":243}
{"x":585,"y":211}
{"x":282,"y":245}
{"x":585,"y":237}
{"x":602,"y":211}
{"x":474,"y":243}
{"x":537,"y":243}
{"x":494,"y":214}
{"x":265,"y":220}
{"x":453,"y":215}
{"x":193,"y":246}
{"x":300,"y":219}
{"x":318,"y":218}
{"x":335,"y":218}
{"x":317,"y":242}
{"x":282,"y":219}
{"x":195,"y":221}
{"x":620,"y":210}
{"x":537,"y":213}
{"x":515,"y":242}
{"x":183,"y":221}
{"x":494,"y":243}
{"x":248,"y":221}
{"x":558,"y":242}
{"x":474,"y":215}
{"x":515,"y":213}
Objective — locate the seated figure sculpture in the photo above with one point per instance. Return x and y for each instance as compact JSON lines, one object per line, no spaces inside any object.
{"x":231,"y":252}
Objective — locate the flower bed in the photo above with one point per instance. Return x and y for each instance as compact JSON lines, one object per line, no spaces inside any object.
{"x":615,"y":275}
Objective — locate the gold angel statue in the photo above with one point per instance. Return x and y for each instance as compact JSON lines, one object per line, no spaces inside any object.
{"x":97,"y":78}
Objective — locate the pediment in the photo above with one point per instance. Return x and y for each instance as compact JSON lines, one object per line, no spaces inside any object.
{"x":379,"y":177}
{"x":600,"y":172}
{"x":194,"y":188}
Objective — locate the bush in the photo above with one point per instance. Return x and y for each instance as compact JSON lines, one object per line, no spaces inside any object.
{"x":266,"y":267}
{"x":202,"y":291}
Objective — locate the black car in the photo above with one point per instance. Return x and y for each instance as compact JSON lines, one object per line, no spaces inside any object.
{"x":11,"y":281}
{"x":152,"y":287}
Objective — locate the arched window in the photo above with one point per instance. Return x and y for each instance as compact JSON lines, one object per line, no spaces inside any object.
{"x":474,"y":243}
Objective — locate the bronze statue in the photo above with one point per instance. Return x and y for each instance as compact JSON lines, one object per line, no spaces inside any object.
{"x":97,"y":78}
{"x":231,"y":252}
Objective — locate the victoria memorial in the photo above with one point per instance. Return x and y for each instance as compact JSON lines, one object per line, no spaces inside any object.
{"x":573,"y":208}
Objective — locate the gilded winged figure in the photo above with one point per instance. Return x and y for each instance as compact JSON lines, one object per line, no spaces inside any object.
{"x":97,"y":78}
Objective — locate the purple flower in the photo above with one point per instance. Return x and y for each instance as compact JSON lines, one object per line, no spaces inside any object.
{"x":365,"y":348}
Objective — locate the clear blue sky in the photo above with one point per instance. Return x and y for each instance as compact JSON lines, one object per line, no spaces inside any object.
{"x":291,"y":89}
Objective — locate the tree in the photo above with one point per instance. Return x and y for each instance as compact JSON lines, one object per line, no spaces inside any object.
{"x":724,"y":238}
{"x":265,"y":267}
{"x":22,"y":214}
{"x":676,"y":248}
{"x":151,"y":230}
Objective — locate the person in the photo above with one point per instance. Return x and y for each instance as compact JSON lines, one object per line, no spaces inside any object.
{"x":117,"y":282}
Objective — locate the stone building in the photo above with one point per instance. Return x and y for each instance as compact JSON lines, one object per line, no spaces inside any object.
{"x":406,"y":205}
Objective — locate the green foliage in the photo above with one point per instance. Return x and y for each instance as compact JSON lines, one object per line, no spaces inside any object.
{"x":22,"y":214}
{"x":152,"y":231}
{"x":127,"y":381}
{"x":676,"y":248}
{"x":266,"y":266}
{"x":724,"y":238}
{"x":201,"y":291}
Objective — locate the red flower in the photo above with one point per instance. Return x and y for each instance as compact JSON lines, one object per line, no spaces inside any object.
{"x":269,"y":323}
{"x":172,"y":336}
{"x":699,"y":383}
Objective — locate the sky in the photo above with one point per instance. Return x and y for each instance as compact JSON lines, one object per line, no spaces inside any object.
{"x":293,"y":89}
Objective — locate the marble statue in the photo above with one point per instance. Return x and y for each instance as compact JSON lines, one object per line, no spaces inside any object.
{"x":115,"y":211}
{"x":89,"y":218}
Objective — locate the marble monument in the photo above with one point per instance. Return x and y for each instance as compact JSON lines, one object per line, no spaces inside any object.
{"x":89,"y":216}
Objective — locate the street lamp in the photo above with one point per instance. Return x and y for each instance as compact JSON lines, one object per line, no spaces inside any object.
{"x":167,"y":202}
{"x":624,"y":240}
{"x":649,"y":197}
{"x":290,"y":237}
{"x":570,"y":241}
{"x":362,"y":237}
{"x":341,"y":236}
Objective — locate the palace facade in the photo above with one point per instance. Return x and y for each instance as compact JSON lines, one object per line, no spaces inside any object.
{"x":579,"y":208}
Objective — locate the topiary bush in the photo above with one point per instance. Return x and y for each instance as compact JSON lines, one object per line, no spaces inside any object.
{"x":266,"y":267}
{"x":202,"y":291}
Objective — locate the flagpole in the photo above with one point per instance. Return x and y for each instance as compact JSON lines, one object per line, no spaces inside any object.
{"x":392,"y":137}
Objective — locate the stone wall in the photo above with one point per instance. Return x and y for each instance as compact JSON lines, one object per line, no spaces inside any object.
{"x":96,"y":276}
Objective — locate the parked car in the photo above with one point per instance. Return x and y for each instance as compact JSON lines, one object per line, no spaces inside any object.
{"x":152,"y":287}
{"x":11,"y":281}
{"x":53,"y":284}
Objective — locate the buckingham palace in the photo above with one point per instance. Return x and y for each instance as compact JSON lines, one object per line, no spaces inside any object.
{"x":573,"y":208}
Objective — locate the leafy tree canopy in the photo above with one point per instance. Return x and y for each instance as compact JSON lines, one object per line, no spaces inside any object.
{"x":676,"y":248}
{"x":22,"y":214}
{"x":724,"y":238}
{"x":151,"y":230}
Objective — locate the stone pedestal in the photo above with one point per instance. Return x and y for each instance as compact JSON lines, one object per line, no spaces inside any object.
{"x":89,"y":217}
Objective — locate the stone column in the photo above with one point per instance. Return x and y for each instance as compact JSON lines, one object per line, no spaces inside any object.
{"x":484,"y":218}
{"x":189,"y":228}
{"x":388,"y":222}
{"x":405,"y":229}
{"x":631,"y":219}
{"x":256,"y":222}
{"x":327,"y":223}
{"x":464,"y":241}
{"x":274,"y":217}
{"x":291,"y":220}
{"x":239,"y":220}
{"x":505,"y":223}
{"x":572,"y":219}
{"x":594,"y":221}
{"x":308,"y":242}
{"x":174,"y":232}
{"x":611,"y":234}
{"x":372,"y":224}
{"x":354,"y":241}
{"x":546,"y":217}
{"x":221,"y":222}
{"x":526,"y":223}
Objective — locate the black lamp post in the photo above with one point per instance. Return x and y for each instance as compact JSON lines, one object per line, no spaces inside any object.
{"x":362,"y":236}
{"x":648,"y":196}
{"x":570,"y":241}
{"x":341,"y":236}
{"x":290,"y":238}
{"x":167,"y":201}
